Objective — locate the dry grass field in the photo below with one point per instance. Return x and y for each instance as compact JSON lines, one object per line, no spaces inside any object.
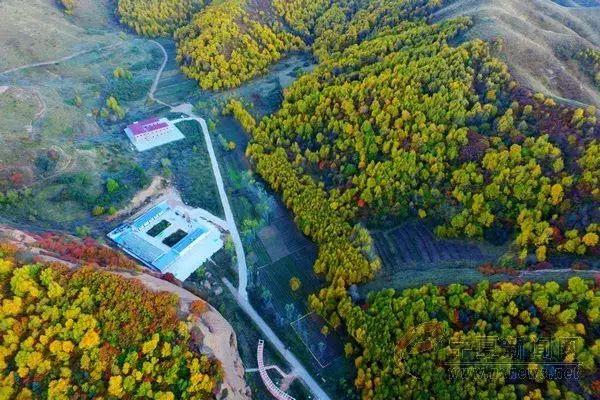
{"x":37,"y":30}
{"x":57,"y":150}
{"x":540,"y":39}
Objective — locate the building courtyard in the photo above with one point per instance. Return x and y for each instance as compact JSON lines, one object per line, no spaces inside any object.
{"x":170,"y":238}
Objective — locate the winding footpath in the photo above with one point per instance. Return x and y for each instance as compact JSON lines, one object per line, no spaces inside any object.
{"x":158,"y":75}
{"x":58,"y":60}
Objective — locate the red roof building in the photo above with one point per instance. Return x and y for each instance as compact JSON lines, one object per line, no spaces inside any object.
{"x":148,"y":129}
{"x":153,"y":132}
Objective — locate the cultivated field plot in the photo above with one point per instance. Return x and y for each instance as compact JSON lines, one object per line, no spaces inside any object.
{"x":281,"y":236}
{"x":324,"y":348}
{"x":411,"y":255}
{"x":413,"y":244}
{"x":257,"y":255}
{"x":272,"y":243}
{"x":276,"y":277}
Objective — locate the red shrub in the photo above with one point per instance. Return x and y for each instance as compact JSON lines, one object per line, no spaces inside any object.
{"x":87,"y":251}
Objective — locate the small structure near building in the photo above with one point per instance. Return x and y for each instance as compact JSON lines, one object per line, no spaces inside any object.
{"x":169,"y":238}
{"x":275,"y":391}
{"x":152,"y":132}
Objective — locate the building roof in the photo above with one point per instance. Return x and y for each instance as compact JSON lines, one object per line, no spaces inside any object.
{"x":142,"y":249}
{"x":165,"y":260}
{"x":189,"y":239}
{"x":150,"y":215}
{"x":147,"y":125}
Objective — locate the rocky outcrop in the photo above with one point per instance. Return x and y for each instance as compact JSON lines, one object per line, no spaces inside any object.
{"x":212,"y":333}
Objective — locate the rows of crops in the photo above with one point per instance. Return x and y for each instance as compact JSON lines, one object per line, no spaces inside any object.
{"x":413,"y":243}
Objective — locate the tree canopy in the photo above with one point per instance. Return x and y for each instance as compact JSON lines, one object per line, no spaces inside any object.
{"x":88,"y":333}
{"x":157,"y":17}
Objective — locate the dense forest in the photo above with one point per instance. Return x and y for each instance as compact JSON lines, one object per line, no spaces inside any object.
{"x":223,"y":46}
{"x":157,"y":17}
{"x":85,"y":333}
{"x":444,"y":338}
{"x":402,"y":119}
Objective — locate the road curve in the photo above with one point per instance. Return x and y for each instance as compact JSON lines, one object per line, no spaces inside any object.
{"x":241,"y":294}
{"x":235,"y":235}
{"x":158,"y":75}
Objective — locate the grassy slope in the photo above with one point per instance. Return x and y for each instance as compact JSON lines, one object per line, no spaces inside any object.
{"x":37,"y":111}
{"x":540,"y":38}
{"x":36,"y":30}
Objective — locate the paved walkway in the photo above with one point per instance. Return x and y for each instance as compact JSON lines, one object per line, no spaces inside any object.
{"x":297,"y":368}
{"x":241,"y":294}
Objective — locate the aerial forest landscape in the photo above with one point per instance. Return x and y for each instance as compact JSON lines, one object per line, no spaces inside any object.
{"x":300,"y":199}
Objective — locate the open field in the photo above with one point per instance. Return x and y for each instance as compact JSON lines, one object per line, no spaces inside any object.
{"x":37,"y":30}
{"x":539,"y":40}
{"x":60,"y":142}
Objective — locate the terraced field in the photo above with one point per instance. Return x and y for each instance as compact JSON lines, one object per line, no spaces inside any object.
{"x":414,"y":243}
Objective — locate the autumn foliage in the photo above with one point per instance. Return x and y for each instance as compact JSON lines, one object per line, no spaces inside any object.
{"x":198,"y":307}
{"x":91,"y":334}
{"x":87,"y":251}
{"x":488,"y":323}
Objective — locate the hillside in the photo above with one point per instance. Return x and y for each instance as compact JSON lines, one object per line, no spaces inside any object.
{"x":404,"y":118}
{"x":155,"y":310}
{"x":37,"y":30}
{"x":540,"y":40}
{"x":58,"y":129}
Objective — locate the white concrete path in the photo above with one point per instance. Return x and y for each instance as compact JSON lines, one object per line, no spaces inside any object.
{"x":241,"y":294}
{"x":297,"y":369}
{"x":235,"y":235}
